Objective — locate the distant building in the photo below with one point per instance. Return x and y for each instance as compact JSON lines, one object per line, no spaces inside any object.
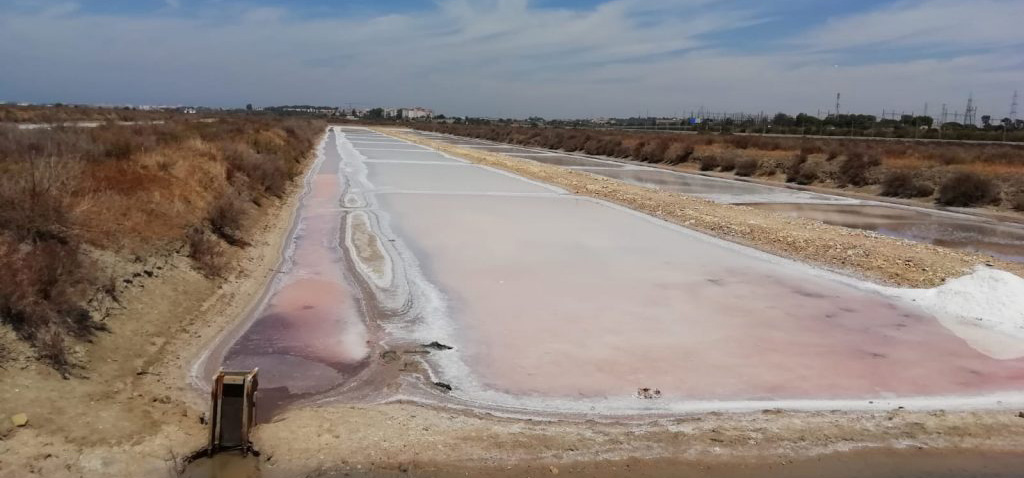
{"x":416,"y":113}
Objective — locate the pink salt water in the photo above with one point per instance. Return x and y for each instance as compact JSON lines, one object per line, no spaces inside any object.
{"x":308,"y":337}
{"x":559,"y":296}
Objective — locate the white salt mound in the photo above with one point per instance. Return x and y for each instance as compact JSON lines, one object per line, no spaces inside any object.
{"x":991,"y":298}
{"x":985,"y":308}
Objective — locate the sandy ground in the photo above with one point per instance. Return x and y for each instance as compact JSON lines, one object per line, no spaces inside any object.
{"x":861,"y":253}
{"x":132,"y":412}
{"x":394,"y":437}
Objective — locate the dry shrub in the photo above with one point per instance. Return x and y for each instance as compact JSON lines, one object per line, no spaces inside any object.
{"x":809,"y":173}
{"x":967,"y":189}
{"x":602,"y":146}
{"x":678,"y":153}
{"x":653,"y":152}
{"x":708,"y":162}
{"x":794,"y":166}
{"x":207,"y":252}
{"x":35,"y":195}
{"x":727,"y":162}
{"x":811,"y":147}
{"x":574,"y":142}
{"x":741,"y":142}
{"x":227,"y":219}
{"x":903,"y":184}
{"x":1017,"y":201}
{"x":40,"y":298}
{"x":129,"y":191}
{"x":853,"y":171}
{"x":747,"y":166}
{"x":555,"y":138}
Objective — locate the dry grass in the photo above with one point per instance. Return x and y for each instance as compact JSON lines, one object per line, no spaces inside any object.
{"x":966,"y":189}
{"x":46,"y":114}
{"x":830,"y":162}
{"x":903,"y":184}
{"x":133,"y":191}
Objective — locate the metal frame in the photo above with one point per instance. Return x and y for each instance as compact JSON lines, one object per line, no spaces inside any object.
{"x":249,"y":380}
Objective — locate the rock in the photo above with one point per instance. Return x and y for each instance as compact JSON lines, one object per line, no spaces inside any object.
{"x":1020,"y":414}
{"x":435,"y":345}
{"x":646,"y":393}
{"x":19,"y":420}
{"x":443,"y":386}
{"x":389,"y":356}
{"x":554,"y":471}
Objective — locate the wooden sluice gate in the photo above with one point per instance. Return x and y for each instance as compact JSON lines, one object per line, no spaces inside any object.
{"x":233,"y":411}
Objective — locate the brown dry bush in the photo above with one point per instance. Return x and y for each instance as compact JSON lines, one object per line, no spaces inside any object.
{"x":747,"y":166}
{"x":574,"y":142}
{"x":62,"y":114}
{"x":727,"y":162}
{"x":601,"y":146}
{"x":708,"y":162}
{"x":903,"y":184}
{"x":41,"y":298}
{"x":793,"y":167}
{"x":130,"y":191}
{"x":1017,"y":201}
{"x":801,"y":171}
{"x":861,"y":170}
{"x":678,"y":153}
{"x":939,"y":153}
{"x":967,"y":189}
{"x":227,"y":219}
{"x":207,"y":251}
{"x":809,"y":173}
{"x":653,"y":152}
{"x":854,"y":170}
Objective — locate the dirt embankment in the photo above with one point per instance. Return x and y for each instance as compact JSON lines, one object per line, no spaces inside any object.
{"x":419,"y":439}
{"x":861,"y":253}
{"x":127,"y":408}
{"x":989,"y":177}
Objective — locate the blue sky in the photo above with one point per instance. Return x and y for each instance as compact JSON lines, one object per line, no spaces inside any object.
{"x":554,"y":58}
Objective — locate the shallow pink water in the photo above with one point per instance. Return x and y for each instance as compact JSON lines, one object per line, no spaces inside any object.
{"x":564,"y":297}
{"x":308,"y":337}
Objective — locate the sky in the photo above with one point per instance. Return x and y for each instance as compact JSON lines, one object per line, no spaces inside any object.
{"x":519,"y":58}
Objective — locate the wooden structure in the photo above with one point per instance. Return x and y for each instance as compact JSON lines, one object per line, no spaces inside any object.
{"x":233,"y":412}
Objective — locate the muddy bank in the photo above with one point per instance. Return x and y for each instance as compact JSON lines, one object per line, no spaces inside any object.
{"x":879,"y":258}
{"x":911,"y":463}
{"x":1003,"y":241}
{"x":439,"y":442}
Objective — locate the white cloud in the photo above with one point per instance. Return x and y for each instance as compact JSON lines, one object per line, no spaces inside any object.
{"x":930,"y":24}
{"x":493,"y":57}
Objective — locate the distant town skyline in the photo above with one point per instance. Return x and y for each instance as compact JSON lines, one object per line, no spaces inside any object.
{"x":518,"y":58}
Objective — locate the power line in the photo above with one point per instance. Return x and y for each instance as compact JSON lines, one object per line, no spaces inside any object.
{"x":971,"y":112}
{"x":1013,"y":107}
